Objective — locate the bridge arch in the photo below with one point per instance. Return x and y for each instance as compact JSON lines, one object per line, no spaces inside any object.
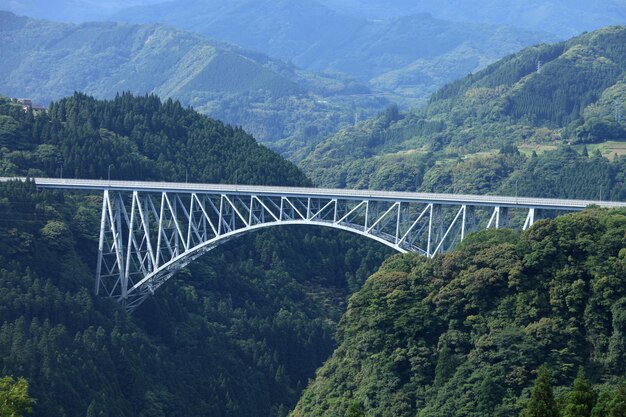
{"x":149,"y":283}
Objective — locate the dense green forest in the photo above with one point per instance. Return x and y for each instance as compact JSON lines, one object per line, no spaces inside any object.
{"x":133,"y":138}
{"x":237,"y":334}
{"x":544,"y":97}
{"x":464,"y":333}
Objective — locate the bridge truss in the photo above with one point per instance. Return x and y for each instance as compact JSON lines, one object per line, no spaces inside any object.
{"x":149,"y":231}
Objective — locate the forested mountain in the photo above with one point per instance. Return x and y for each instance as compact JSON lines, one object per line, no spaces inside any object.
{"x":272,"y":99}
{"x":565,"y":18}
{"x":464,"y":334}
{"x":543,"y":97}
{"x":405,"y":55}
{"x":237,"y":334}
{"x":47,"y":60}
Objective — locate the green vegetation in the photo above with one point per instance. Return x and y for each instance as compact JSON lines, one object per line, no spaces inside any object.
{"x":542,"y":402}
{"x":133,"y":138}
{"x":462,"y":334}
{"x":14,"y":399}
{"x":582,"y":399}
{"x":576,"y":97}
{"x":238,"y":333}
{"x":562,"y":172}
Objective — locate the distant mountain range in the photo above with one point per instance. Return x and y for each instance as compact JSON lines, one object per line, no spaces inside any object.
{"x":70,"y":10}
{"x":397,"y":52}
{"x":46,"y":60}
{"x":564,"y":18}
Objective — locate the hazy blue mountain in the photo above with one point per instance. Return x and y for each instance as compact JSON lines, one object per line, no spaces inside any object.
{"x":316,"y":37}
{"x":277,"y":23}
{"x":272,"y":99}
{"x":281,"y":28}
{"x":562,"y":17}
{"x":70,"y":10}
{"x":47,"y":60}
{"x":414,"y":55}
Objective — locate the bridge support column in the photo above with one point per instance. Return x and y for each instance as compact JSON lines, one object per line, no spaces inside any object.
{"x":494,"y":221}
{"x":530,"y":219}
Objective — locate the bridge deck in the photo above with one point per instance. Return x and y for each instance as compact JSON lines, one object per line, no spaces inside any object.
{"x":475,"y":200}
{"x":150,"y":230}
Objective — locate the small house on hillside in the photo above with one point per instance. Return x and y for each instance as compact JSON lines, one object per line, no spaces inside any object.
{"x":38,"y":108}
{"x":27,"y":104}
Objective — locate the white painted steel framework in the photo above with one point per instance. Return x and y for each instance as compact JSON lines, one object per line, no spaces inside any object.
{"x":149,"y":231}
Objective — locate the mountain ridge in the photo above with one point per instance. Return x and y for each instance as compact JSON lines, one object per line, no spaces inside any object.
{"x":563,"y":18}
{"x":543,"y":96}
{"x":359,"y":47}
{"x":144,"y":40}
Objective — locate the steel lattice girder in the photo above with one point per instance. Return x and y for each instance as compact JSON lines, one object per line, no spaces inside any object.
{"x":146,"y":236}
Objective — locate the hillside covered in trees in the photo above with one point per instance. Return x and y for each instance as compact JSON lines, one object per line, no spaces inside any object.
{"x":272,"y":99}
{"x":463,"y":334}
{"x":237,"y":334}
{"x":543,"y":97}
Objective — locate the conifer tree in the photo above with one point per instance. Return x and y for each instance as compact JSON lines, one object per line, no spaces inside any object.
{"x":541,"y":403}
{"x":601,"y":409}
{"x":446,"y":365}
{"x":14,"y":399}
{"x":581,"y":400}
{"x":355,"y":409}
{"x":617,"y":406}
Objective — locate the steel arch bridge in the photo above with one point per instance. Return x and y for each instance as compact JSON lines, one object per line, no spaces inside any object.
{"x":150,"y":230}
